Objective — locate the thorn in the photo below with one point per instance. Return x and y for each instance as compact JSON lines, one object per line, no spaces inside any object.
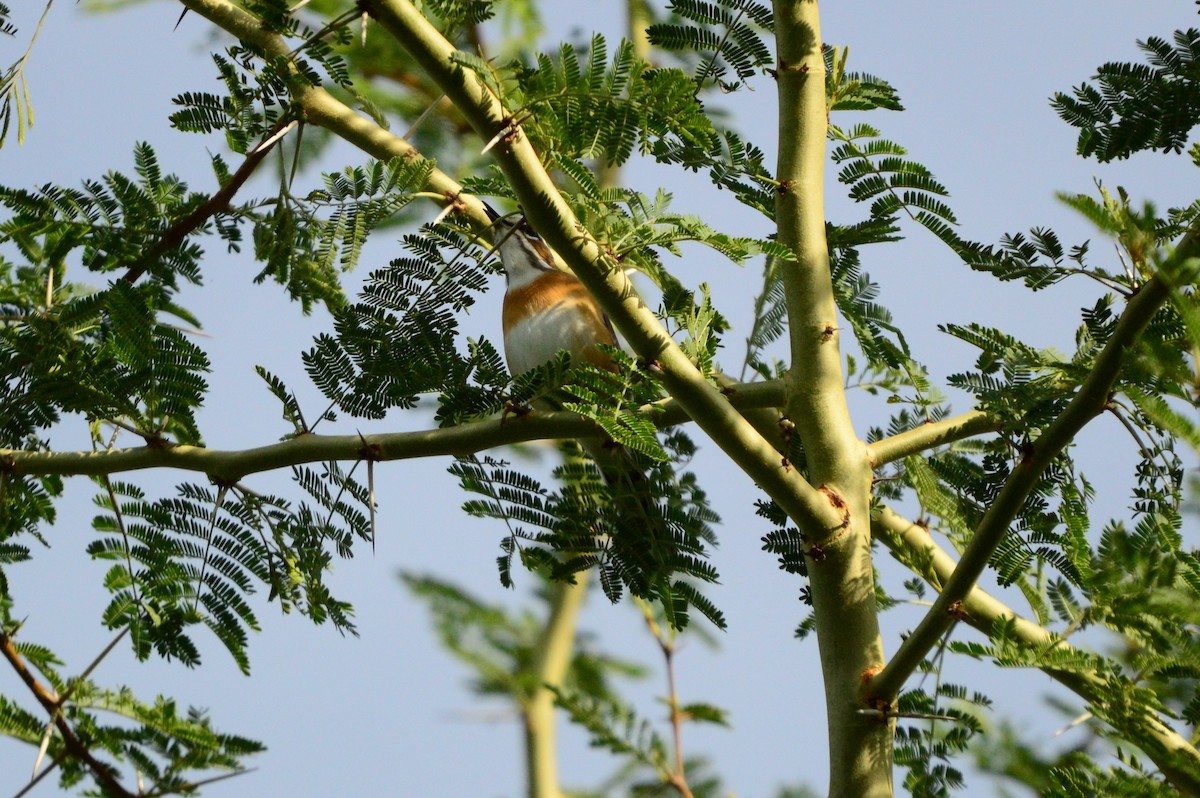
{"x":510,"y":129}
{"x":446,"y":211}
{"x":45,"y":746}
{"x":269,"y":142}
{"x":1086,"y":716}
{"x":495,"y":139}
{"x":371,"y":501}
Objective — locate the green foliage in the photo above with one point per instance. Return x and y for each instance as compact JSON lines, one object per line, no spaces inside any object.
{"x":1141,"y":584}
{"x":1038,"y":260}
{"x":623,"y":504}
{"x":925,"y":748}
{"x":580,"y":106}
{"x":254,"y":104}
{"x":197,"y":558}
{"x":1044,"y":378}
{"x":733,"y":163}
{"x":726,"y":33}
{"x":1025,"y":389}
{"x":105,"y":356}
{"x":876,"y":169}
{"x":881,"y":341}
{"x":291,"y":408}
{"x":118,"y":223}
{"x":1084,"y":779}
{"x":786,"y":541}
{"x":401,"y":339}
{"x":793,"y":551}
{"x":633,"y":228}
{"x":770,"y":320}
{"x":26,"y":504}
{"x":617,"y":727}
{"x":456,"y":14}
{"x":1137,"y":107}
{"x":606,"y":398}
{"x":6,"y":27}
{"x":305,"y":243}
{"x":641,"y":523}
{"x":13,"y":84}
{"x":171,"y":750}
{"x":855,"y":91}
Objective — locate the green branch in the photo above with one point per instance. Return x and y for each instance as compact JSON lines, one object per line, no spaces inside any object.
{"x":550,"y":215}
{"x":928,"y":436}
{"x":841,"y":578}
{"x":1089,"y":402}
{"x":912,"y":545}
{"x":230,"y":466}
{"x":555,"y":649}
{"x":324,"y":110}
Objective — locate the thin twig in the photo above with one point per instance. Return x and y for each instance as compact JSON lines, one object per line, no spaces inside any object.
{"x":666,"y":643}
{"x":102,"y":772}
{"x":195,"y":785}
{"x":88,"y":670}
{"x":33,"y":782}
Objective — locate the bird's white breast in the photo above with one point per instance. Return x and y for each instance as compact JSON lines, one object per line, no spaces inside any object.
{"x":535,"y":339}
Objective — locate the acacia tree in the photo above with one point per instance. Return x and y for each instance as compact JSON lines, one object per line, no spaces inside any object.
{"x":996,"y":487}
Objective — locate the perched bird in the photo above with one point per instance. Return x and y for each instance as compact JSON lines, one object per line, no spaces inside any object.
{"x":546,"y":310}
{"x":649,"y":537}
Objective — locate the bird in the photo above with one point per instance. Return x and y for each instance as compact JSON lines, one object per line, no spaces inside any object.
{"x":546,"y":310}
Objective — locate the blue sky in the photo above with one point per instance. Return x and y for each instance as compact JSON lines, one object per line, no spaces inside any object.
{"x":388,"y":712}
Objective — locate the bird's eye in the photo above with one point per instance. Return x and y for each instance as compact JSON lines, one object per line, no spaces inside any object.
{"x":529,"y":231}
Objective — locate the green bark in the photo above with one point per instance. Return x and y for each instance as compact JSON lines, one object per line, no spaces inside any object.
{"x":841,"y":578}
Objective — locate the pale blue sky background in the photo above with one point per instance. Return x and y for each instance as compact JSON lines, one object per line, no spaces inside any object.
{"x":387,"y":713}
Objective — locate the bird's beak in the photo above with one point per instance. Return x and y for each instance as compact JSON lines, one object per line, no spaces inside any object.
{"x":491,"y":212}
